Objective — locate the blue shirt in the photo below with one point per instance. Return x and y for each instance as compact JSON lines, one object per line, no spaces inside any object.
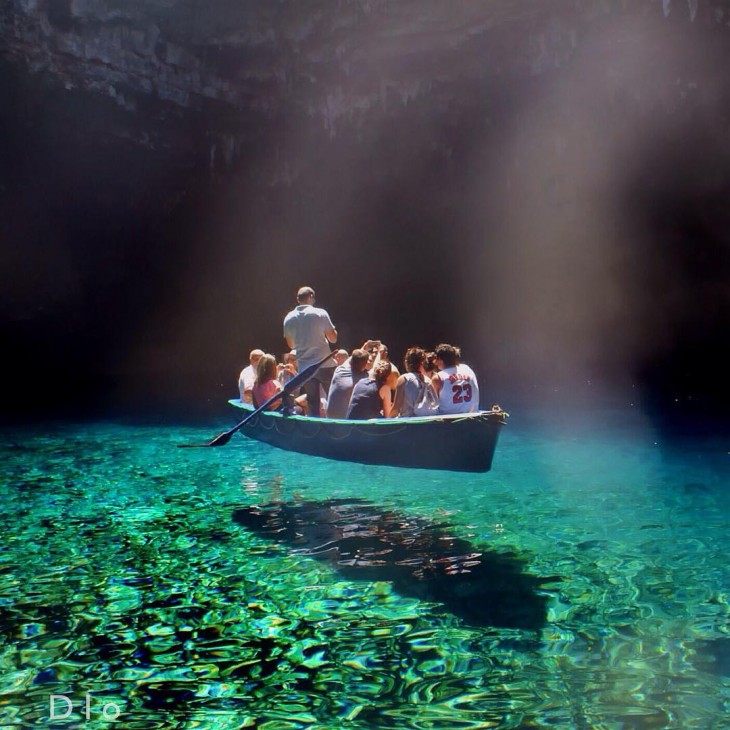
{"x":343,"y":381}
{"x":366,"y":401}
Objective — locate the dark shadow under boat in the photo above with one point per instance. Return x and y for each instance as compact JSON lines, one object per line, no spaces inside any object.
{"x":365,"y":542}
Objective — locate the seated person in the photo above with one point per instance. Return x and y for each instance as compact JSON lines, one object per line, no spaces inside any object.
{"x":371,"y":396}
{"x":345,"y":376}
{"x":409,"y":386}
{"x":301,"y":404}
{"x":385,"y":357}
{"x":266,"y":385}
{"x":429,"y":365}
{"x":343,"y":381}
{"x":455,"y":384}
{"x":287,"y":368}
{"x":323,"y":402}
{"x":248,"y":376}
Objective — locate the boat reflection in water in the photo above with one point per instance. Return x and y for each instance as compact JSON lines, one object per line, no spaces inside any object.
{"x":369,"y":543}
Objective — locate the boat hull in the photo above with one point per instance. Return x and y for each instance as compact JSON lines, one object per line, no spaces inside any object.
{"x":455,"y":443}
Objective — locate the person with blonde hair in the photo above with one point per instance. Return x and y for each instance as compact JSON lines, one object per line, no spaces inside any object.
{"x":267,"y":384}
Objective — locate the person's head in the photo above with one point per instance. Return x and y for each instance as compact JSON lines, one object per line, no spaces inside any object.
{"x":305,"y":295}
{"x":457,"y":350}
{"x":289,"y":358}
{"x":414,"y":359}
{"x":445,"y":356}
{"x":382,"y":372}
{"x":429,"y":364}
{"x":359,"y":360}
{"x":341,"y":356}
{"x":254,"y":356}
{"x":265,"y":369}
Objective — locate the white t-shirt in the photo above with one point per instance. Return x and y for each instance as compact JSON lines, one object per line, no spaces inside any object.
{"x":245,"y":383}
{"x":306,"y":326}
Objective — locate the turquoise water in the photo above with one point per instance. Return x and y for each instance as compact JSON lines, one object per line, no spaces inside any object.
{"x":124,"y":575}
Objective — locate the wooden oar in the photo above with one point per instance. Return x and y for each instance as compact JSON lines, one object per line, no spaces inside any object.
{"x":298,"y":380}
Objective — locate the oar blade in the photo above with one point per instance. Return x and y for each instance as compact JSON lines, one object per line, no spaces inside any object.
{"x":221,"y":440}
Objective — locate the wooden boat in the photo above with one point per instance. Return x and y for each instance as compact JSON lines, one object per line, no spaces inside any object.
{"x":464,"y":442}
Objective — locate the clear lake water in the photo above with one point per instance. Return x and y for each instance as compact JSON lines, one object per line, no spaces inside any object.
{"x":582,"y":583}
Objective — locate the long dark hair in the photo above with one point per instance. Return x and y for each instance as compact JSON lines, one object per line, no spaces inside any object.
{"x":414,"y":358}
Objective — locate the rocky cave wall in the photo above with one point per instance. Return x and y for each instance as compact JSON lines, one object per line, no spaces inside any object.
{"x":338,"y":64}
{"x":140,"y":138}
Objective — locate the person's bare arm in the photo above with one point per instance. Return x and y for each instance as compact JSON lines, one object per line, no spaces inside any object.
{"x":436,"y":383}
{"x":331,"y":336}
{"x":289,"y":342}
{"x":400,"y":394}
{"x":384,"y":393}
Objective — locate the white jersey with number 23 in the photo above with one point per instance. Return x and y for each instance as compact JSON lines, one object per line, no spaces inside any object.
{"x":459,"y":390}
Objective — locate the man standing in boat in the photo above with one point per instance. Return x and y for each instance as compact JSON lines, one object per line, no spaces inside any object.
{"x":308,"y":330}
